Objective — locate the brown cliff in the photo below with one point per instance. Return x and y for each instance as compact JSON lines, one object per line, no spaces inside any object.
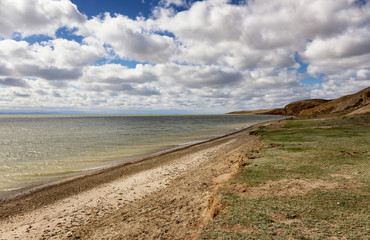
{"x":295,"y":108}
{"x":348,"y":104}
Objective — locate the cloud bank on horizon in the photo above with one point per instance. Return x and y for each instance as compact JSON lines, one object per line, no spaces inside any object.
{"x":182,"y":56}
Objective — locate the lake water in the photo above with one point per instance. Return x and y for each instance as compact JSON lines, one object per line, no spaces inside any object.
{"x":38,"y":148}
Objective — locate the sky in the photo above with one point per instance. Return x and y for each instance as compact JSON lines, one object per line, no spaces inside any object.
{"x":179,"y":56}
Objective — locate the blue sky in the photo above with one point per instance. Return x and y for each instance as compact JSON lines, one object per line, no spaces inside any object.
{"x":179,"y":56}
{"x":130,"y":8}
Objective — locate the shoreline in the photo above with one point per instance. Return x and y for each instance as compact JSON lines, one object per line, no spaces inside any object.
{"x":129,"y":186}
{"x":24,"y":191}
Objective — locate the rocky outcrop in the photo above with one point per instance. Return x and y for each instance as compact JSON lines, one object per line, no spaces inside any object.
{"x":295,"y":108}
{"x":362,"y":110}
{"x":343,"y":105}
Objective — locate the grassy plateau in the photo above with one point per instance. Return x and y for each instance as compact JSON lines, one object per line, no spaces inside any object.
{"x":309,"y":180}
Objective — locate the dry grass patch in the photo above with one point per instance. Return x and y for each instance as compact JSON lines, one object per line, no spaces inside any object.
{"x":311,"y":180}
{"x":286,"y":187}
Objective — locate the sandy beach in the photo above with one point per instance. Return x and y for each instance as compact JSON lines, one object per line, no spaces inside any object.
{"x":163,"y":196}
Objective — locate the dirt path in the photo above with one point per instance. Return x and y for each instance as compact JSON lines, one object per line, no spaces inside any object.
{"x":167,"y":197}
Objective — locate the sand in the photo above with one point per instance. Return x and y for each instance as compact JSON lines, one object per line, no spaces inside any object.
{"x":164,"y":196}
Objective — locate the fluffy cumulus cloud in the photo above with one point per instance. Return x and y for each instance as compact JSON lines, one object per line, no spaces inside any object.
{"x":206,"y":56}
{"x":130,"y":39}
{"x":259,"y":34}
{"x":29,"y":17}
{"x":345,"y":54}
{"x":115,"y":78}
{"x":54,"y":60}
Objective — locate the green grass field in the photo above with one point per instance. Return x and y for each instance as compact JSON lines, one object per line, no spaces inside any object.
{"x":310,"y":180}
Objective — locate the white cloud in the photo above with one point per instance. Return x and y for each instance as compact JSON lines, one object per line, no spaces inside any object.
{"x":340,"y":56}
{"x":29,"y":17}
{"x":177,"y":3}
{"x":116,"y":73}
{"x":350,"y":44}
{"x":53,"y":60}
{"x":116,"y":78}
{"x":130,"y":39}
{"x":72,"y":54}
{"x":259,"y":34}
{"x":191,"y":76}
{"x":213,"y":56}
{"x":363,"y":74}
{"x":332,"y":89}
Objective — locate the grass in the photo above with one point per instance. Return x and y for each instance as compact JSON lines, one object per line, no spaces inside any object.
{"x":310,"y":180}
{"x":354,"y":120}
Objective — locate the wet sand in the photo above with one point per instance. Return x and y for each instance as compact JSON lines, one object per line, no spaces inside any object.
{"x":167,"y":195}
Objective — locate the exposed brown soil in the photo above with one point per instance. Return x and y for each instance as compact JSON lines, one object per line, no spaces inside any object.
{"x":362,"y":110}
{"x":343,"y":105}
{"x":295,"y":108}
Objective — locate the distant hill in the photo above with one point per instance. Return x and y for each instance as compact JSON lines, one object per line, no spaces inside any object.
{"x":294,"y":108}
{"x":273,"y":111}
{"x":358,"y":103}
{"x":345,"y":105}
